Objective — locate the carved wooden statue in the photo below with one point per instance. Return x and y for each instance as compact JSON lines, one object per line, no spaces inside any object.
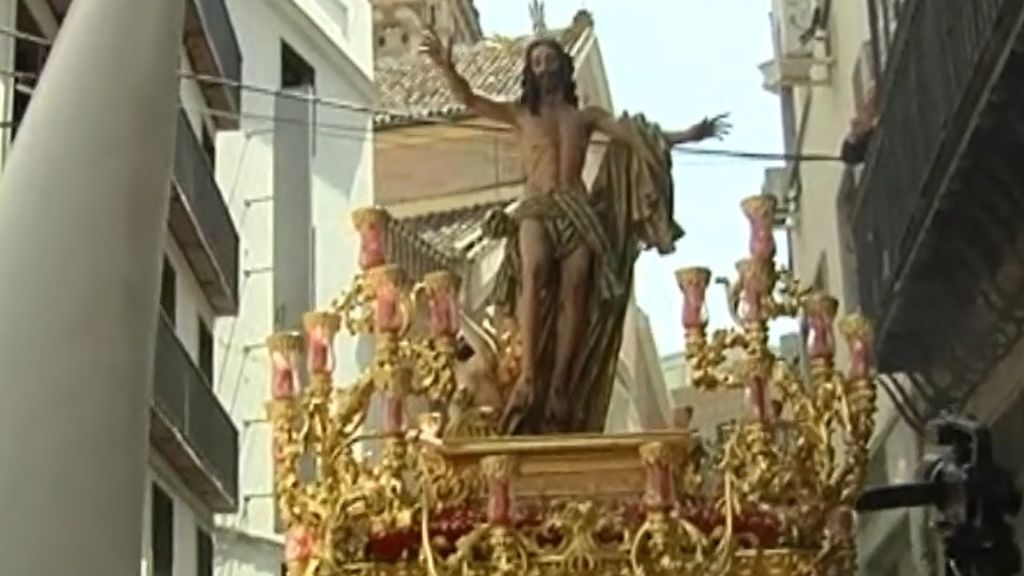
{"x":570,"y":251}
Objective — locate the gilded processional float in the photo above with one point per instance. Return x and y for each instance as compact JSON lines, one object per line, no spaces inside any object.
{"x":771,"y":494}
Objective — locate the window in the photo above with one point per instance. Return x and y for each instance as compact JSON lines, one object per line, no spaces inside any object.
{"x":168,"y":291}
{"x":405,"y":38}
{"x":209,"y":144}
{"x":205,"y":351}
{"x":29,"y":58}
{"x":204,"y":553}
{"x":295,"y":70}
{"x":433,"y":15}
{"x":162,"y":533}
{"x":787,"y":100}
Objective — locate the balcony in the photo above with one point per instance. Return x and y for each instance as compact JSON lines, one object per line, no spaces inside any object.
{"x":941,"y":196}
{"x":189,"y":427}
{"x":201,"y":223}
{"x":213,"y":47}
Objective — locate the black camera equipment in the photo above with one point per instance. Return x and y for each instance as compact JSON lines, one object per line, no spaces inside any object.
{"x":974,"y":497}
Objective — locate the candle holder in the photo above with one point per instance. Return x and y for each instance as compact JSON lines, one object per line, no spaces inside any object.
{"x":760,"y":212}
{"x":321,"y":328}
{"x":435,"y":358}
{"x":820,"y":311}
{"x":372,"y":224}
{"x":285,"y":353}
{"x":694,"y":284}
{"x":837,"y":408}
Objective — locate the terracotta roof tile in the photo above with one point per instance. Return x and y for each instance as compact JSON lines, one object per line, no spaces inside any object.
{"x":450,"y":230}
{"x":412,"y":90}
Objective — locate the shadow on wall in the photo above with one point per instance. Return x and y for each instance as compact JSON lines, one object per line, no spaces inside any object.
{"x":341,"y":153}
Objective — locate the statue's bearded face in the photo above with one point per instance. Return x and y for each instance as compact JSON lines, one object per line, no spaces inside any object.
{"x":548,"y":73}
{"x":546,"y":64}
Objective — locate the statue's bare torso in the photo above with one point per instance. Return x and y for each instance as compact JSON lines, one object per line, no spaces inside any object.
{"x":554,"y":145}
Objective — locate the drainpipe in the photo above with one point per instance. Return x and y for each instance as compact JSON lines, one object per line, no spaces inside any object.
{"x":83,"y":211}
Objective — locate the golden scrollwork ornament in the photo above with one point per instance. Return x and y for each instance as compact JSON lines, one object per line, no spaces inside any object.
{"x":423,"y":487}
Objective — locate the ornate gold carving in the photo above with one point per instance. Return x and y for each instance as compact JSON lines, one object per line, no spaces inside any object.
{"x":445,"y":497}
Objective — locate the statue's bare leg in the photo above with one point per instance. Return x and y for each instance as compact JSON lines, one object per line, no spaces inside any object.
{"x":572,"y":320}
{"x":535,"y":257}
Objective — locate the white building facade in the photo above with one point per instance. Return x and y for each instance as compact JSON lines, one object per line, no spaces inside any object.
{"x":824,"y":70}
{"x":299,"y":164}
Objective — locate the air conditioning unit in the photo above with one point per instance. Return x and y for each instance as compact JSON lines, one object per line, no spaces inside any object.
{"x":776,"y":183}
{"x":801,"y":46}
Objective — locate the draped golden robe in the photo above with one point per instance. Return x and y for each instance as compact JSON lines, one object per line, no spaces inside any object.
{"x":629,"y":209}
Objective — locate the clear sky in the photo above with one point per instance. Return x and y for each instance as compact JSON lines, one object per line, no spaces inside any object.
{"x":678,"y":61}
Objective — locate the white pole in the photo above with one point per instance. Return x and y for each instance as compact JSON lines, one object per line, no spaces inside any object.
{"x":83,"y":208}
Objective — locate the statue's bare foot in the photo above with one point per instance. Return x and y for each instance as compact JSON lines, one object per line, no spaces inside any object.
{"x":519,"y":401}
{"x":556,"y":412}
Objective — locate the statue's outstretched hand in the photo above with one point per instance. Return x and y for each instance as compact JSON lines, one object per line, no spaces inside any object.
{"x":716,"y":127}
{"x":439,"y":52}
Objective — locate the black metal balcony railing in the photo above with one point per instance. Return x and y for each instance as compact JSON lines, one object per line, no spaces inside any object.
{"x":220,"y":33}
{"x":185,"y":402}
{"x":202,"y":223}
{"x":941,"y":58}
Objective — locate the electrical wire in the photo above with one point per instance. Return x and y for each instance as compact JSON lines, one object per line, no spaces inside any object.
{"x":469,"y":125}
{"x":361,"y":133}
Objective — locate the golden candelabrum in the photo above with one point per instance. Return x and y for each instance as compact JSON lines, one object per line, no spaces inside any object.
{"x":446,"y":495}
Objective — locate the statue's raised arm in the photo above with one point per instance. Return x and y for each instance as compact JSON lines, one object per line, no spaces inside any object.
{"x":440,"y":53}
{"x":716,"y":127}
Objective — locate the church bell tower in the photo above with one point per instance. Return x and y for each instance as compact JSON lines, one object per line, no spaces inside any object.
{"x":397,"y":24}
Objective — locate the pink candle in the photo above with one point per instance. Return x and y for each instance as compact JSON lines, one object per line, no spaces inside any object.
{"x":857,"y":331}
{"x":820,"y":311}
{"x":498,"y":471}
{"x":444,"y":319}
{"x":754,"y":284}
{"x":442,"y":291}
{"x":284,"y":349}
{"x":321,"y":327}
{"x":387,"y":313}
{"x":694,"y":284}
{"x":299,"y":545}
{"x":760,"y":212}
{"x":319,"y":358}
{"x":394,"y":419}
{"x":372,"y":225}
{"x":759,"y":398}
{"x":860,"y":360}
{"x":282,"y":384}
{"x":660,"y":491}
{"x":499,"y":502}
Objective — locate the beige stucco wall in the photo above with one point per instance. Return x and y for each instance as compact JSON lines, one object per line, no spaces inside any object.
{"x":433,"y":161}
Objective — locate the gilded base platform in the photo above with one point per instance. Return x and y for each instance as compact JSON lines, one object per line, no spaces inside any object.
{"x":587,"y":467}
{"x":567,"y":505}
